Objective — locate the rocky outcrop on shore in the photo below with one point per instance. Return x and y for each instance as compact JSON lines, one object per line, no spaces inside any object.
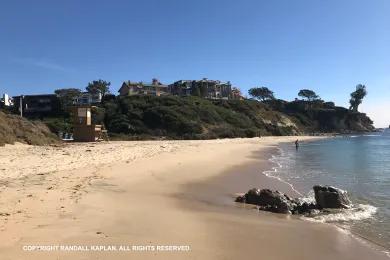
{"x":331,"y":197}
{"x":278,"y":202}
{"x":268,"y":200}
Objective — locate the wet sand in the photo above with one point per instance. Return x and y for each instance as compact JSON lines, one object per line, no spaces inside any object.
{"x":173,"y":193}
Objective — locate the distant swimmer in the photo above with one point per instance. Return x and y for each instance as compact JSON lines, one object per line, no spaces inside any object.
{"x":296,"y":144}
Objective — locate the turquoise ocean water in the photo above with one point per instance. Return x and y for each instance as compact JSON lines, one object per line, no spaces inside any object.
{"x":359,"y":164}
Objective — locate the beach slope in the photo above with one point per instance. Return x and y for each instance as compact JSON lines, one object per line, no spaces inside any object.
{"x":147,"y":196}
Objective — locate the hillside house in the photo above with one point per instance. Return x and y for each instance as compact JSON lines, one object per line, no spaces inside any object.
{"x":236,"y":94}
{"x":213,"y":89}
{"x":37,"y":104}
{"x":155,"y":88}
{"x":181,"y":88}
{"x":6,"y":101}
{"x":87,"y":98}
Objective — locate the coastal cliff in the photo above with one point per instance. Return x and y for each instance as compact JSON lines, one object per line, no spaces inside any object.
{"x":323,"y":117}
{"x":149,"y":117}
{"x":144,"y":117}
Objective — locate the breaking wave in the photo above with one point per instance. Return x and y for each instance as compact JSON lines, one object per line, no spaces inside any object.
{"x":342,"y":162}
{"x":357,"y":212}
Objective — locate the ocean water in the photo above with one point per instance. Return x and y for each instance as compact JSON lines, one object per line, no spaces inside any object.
{"x":359,"y":164}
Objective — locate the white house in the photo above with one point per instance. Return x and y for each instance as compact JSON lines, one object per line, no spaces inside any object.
{"x":87,"y":98}
{"x":6,"y":100}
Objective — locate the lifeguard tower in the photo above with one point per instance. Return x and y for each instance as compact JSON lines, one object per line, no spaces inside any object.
{"x":83,"y":128}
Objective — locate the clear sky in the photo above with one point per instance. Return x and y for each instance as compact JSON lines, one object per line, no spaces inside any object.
{"x":325,"y":45}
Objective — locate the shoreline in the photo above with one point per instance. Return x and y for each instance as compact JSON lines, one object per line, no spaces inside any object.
{"x":180,"y":194}
{"x":281,"y":185}
{"x":361,"y":237}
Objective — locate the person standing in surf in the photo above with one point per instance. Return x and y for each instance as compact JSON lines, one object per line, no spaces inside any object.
{"x":296,"y":144}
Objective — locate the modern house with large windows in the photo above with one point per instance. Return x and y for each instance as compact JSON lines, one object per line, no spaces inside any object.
{"x":37,"y":104}
{"x":87,"y":98}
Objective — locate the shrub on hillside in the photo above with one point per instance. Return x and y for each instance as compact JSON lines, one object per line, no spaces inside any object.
{"x":198,"y":118}
{"x":16,"y":129}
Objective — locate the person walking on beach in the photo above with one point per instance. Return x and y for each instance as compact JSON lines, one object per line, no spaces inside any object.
{"x":296,"y":144}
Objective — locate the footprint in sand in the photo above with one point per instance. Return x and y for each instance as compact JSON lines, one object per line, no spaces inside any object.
{"x":101,"y":233}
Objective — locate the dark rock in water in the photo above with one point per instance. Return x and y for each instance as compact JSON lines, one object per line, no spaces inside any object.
{"x":275,"y":201}
{"x":268,"y":200}
{"x":330,"y":197}
{"x":241,"y":199}
{"x":303,"y":207}
{"x":278,"y":202}
{"x":253,"y":196}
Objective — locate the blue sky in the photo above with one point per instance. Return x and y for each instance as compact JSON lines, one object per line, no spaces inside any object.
{"x":328,"y":46}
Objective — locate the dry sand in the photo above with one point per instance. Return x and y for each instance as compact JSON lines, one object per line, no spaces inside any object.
{"x":154,"y":193}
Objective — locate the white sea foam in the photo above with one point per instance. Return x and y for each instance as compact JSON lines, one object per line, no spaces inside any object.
{"x":355,"y":220}
{"x":366,"y":135}
{"x":272,"y":173}
{"x":357,"y":212}
{"x":309,"y":198}
{"x":281,"y":180}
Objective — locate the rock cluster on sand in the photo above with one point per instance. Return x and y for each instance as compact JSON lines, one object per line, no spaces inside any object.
{"x":278,"y":202}
{"x":269,"y":200}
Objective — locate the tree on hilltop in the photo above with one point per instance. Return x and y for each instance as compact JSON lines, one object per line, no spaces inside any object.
{"x":310,"y":95}
{"x":357,"y":97}
{"x":261,"y":93}
{"x":66,"y":96}
{"x":99,"y":86}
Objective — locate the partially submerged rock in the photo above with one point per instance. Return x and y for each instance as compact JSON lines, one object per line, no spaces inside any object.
{"x":330,"y":197}
{"x":252,"y":196}
{"x":275,"y":201}
{"x":303,"y":207}
{"x":241,"y":199}
{"x":278,"y":202}
{"x":268,"y":200}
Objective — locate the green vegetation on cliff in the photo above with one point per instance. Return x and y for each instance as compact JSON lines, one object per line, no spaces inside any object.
{"x":197,"y":118}
{"x":323,"y":117}
{"x":192,"y":117}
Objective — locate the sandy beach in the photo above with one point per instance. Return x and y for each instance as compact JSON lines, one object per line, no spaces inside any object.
{"x":151,"y":195}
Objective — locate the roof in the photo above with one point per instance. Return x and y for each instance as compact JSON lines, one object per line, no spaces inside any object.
{"x":154,"y":85}
{"x":37,"y":95}
{"x":218,"y":82}
{"x":128,"y":83}
{"x":141,"y":84}
{"x":183,"y":81}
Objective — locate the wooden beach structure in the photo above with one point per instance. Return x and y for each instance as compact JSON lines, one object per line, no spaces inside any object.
{"x":83,"y":128}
